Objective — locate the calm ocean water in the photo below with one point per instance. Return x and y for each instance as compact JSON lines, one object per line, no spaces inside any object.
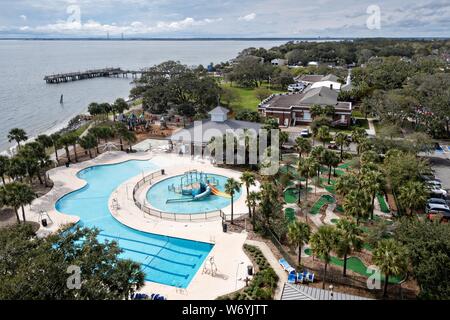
{"x":27,"y":102}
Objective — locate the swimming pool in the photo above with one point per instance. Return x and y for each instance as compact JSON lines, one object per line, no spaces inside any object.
{"x":165,"y":260}
{"x":161,"y":192}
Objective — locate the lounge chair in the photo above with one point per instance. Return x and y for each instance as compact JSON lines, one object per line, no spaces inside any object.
{"x":300,"y":277}
{"x":310,"y":277}
{"x":284,"y":264}
{"x":292,"y":278}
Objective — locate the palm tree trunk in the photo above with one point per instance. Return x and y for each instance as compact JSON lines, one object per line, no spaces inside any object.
{"x":249,"y":207}
{"x":17,"y":215}
{"x":324,"y":275}
{"x":75,"y":152}
{"x":67,"y":153}
{"x":23,"y":213}
{"x":40,"y":179}
{"x":306,"y":192}
{"x":342,"y":152}
{"x":232,"y":211}
{"x":345,"y":264}
{"x":299,"y":254}
{"x":56,"y":153}
{"x":299,"y":191}
{"x":90,"y":153}
{"x":329,"y":174}
{"x":386,"y":282}
{"x":372,"y":207}
{"x":121,"y":144}
{"x":3,"y":179}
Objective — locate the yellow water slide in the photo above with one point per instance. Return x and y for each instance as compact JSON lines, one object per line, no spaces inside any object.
{"x":219,"y":193}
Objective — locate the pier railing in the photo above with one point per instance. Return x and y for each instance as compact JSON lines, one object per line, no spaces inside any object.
{"x":172,"y":216}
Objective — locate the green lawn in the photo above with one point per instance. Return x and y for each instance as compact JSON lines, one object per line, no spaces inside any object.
{"x":248,"y":101}
{"x":356,"y":265}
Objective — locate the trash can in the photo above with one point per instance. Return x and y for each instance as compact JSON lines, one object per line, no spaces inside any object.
{"x":163,"y":172}
{"x":67,"y":164}
{"x":224,"y":227}
{"x":250,"y":270}
{"x":44,"y":222}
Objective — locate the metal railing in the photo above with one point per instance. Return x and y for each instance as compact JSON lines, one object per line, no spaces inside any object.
{"x":173,"y":216}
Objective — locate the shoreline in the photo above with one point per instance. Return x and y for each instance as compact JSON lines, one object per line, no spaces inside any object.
{"x":70,"y":124}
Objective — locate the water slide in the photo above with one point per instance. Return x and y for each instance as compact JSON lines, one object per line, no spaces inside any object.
{"x":219,"y":193}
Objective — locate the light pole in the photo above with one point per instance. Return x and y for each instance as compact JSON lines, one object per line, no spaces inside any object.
{"x":331,"y":289}
{"x":237,"y":270}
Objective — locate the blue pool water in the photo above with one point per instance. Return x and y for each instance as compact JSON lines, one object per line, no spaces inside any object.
{"x":158,"y":195}
{"x":165,"y":260}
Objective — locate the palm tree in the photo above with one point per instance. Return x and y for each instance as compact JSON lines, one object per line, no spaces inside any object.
{"x":346,"y":183}
{"x":284,"y":138}
{"x":373,"y":182}
{"x":391,"y":258}
{"x":322,"y":244}
{"x":119,"y":107}
{"x":56,"y":138}
{"x":231,"y":187}
{"x":316,"y":110}
{"x":120,"y":131}
{"x":330,"y":159}
{"x":298,"y":235}
{"x":17,"y":135}
{"x":130,"y":138}
{"x":413,"y":196}
{"x":323,"y":134}
{"x":308,"y":168}
{"x":17,"y":195}
{"x":349,"y":239}
{"x":358,"y":136}
{"x":45,"y":141}
{"x":341,"y":141}
{"x":88,"y":142}
{"x":252,"y":201}
{"x":248,"y":179}
{"x":67,"y":140}
{"x":357,"y":204}
{"x":4,"y":164}
{"x":303,"y":146}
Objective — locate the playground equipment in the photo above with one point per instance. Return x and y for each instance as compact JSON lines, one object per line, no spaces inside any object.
{"x":195,"y":186}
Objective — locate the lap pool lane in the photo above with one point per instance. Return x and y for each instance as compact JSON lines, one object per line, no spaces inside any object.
{"x":165,"y":260}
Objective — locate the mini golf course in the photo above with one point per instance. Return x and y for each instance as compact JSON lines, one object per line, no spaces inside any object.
{"x":383,"y":205}
{"x":356,"y":265}
{"x":325,"y":199}
{"x":291,"y":194}
{"x":290,"y":214}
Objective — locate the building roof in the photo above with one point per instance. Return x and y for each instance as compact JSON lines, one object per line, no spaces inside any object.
{"x":310,"y":78}
{"x":330,"y":77}
{"x":219,"y":110}
{"x":347,"y":87}
{"x":321,"y":96}
{"x":328,"y":84}
{"x":300,"y":292}
{"x":210,"y":129}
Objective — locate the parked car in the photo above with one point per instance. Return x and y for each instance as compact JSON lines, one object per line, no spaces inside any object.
{"x":430,"y":178}
{"x":333,"y":145}
{"x":296,"y":87}
{"x":434,"y":190}
{"x":445,"y":216}
{"x":433,"y":207}
{"x":433,"y":183}
{"x":437,"y":201}
{"x":305,"y":133}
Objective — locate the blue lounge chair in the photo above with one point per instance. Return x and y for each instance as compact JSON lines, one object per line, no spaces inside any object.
{"x":300,"y":277}
{"x":284,"y":264}
{"x":292,"y":278}
{"x":310,"y":277}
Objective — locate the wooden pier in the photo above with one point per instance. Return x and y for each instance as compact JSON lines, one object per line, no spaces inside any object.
{"x":90,"y":74}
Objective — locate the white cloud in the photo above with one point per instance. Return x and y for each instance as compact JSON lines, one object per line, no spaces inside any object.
{"x":136,"y":27}
{"x":23,"y":17}
{"x":248,"y":17}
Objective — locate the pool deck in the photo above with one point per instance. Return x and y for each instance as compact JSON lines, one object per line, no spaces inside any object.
{"x":228,"y":251}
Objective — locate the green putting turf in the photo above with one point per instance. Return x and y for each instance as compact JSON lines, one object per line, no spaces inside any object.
{"x":326,"y":199}
{"x":339,"y":209}
{"x":383,"y":205}
{"x":334,"y":221}
{"x":291,"y":194}
{"x":290,"y":214}
{"x":345,"y":165}
{"x":356,"y":265}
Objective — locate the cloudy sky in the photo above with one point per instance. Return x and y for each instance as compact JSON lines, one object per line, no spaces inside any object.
{"x":225,"y":18}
